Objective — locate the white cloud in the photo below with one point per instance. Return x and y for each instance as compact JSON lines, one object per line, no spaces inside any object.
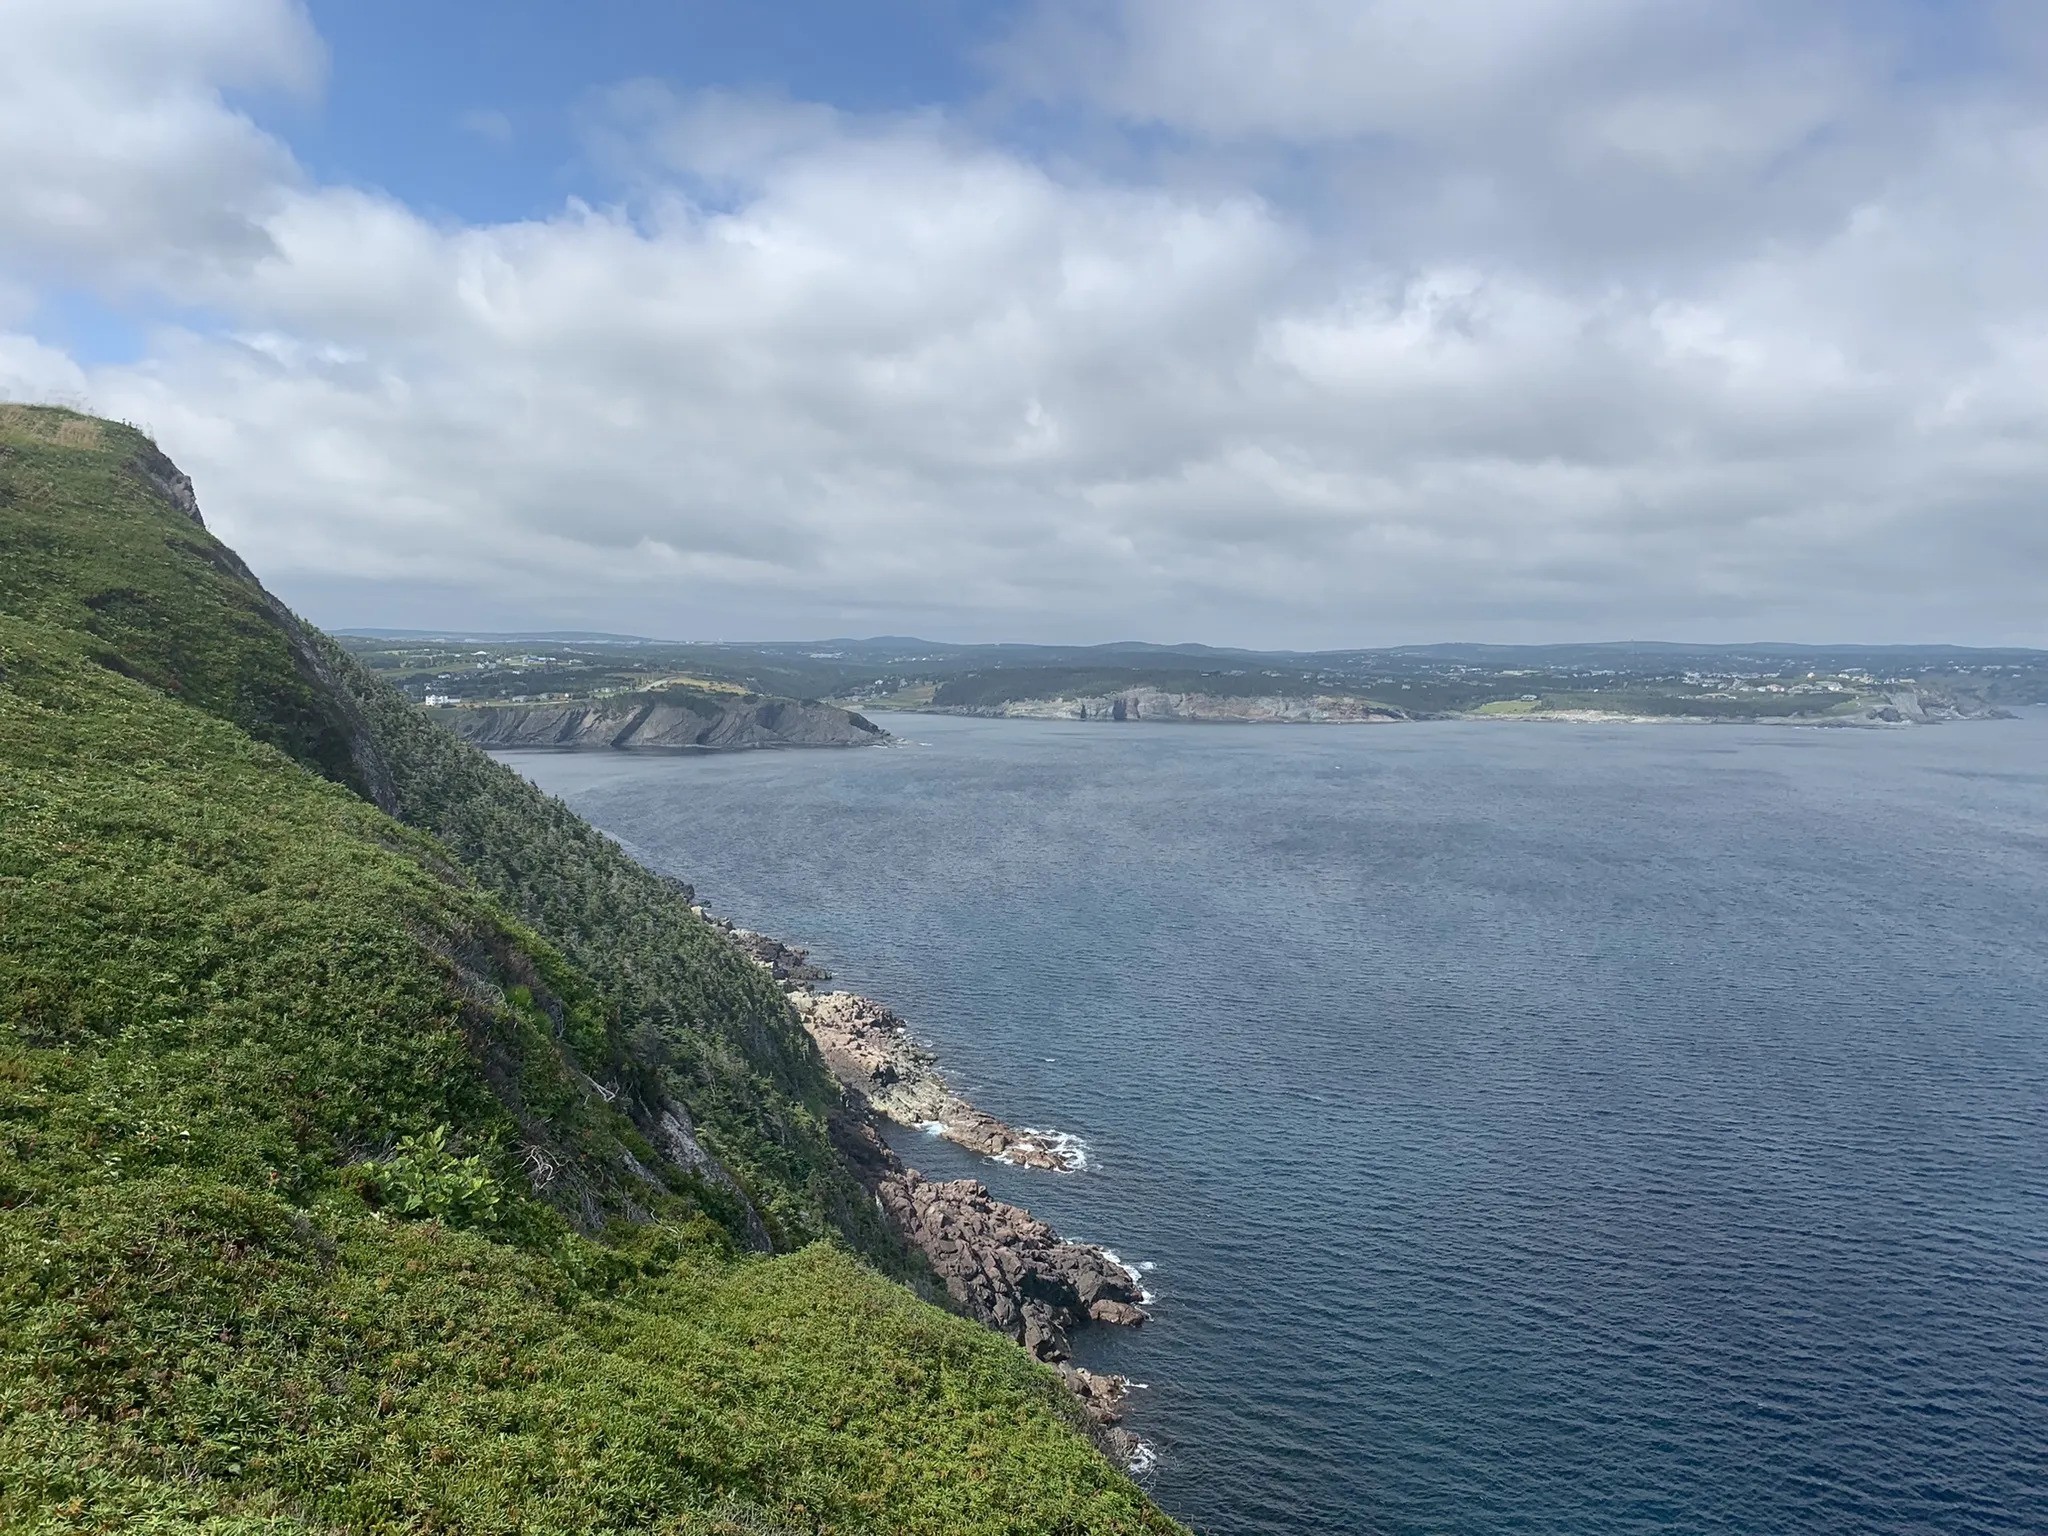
{"x":120,"y":159}
{"x":29,"y":370}
{"x":1308,"y":69}
{"x":487,"y":123}
{"x":1721,"y":341}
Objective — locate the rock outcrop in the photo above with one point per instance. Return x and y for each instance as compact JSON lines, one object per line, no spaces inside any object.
{"x":1926,"y":704}
{"x":999,"y":1264}
{"x":785,"y":962}
{"x":674,"y":720}
{"x":1005,"y":1267}
{"x":1148,"y":703}
{"x":869,"y":1049}
{"x":1102,"y":1399}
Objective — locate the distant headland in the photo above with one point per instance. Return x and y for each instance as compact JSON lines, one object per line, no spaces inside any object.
{"x":585,"y":690}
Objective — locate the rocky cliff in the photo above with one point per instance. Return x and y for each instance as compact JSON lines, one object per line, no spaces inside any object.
{"x":1924,"y":703}
{"x":671,"y":720}
{"x":1145,"y":702}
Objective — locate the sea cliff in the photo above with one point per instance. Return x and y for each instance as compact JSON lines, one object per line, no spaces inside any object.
{"x":1900,"y":705}
{"x":673,"y":720}
{"x":1149,"y":703}
{"x":381,"y":1147}
{"x":1000,"y":1264}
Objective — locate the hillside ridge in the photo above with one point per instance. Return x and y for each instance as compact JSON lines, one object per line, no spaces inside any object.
{"x":668,"y":719}
{"x":381,"y":1148}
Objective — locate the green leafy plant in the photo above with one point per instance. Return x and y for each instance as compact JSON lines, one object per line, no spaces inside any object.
{"x":424,"y":1178}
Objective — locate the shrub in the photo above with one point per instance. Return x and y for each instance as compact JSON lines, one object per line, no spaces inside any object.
{"x":424,"y":1178}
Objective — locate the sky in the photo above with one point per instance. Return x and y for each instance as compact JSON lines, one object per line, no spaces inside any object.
{"x":1304,"y":323}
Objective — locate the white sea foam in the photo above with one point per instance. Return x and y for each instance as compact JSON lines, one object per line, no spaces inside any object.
{"x":933,"y":1127}
{"x":1070,"y":1149}
{"x":1137,"y":1272}
{"x":1142,"y":1459}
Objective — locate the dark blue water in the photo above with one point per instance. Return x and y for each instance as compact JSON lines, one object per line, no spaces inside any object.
{"x":1542,"y":1129}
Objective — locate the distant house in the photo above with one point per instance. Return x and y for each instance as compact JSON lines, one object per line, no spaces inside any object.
{"x":436,"y":699}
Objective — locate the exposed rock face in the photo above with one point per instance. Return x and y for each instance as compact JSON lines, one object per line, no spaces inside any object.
{"x":1000,"y":1264}
{"x":677,"y":721}
{"x":1007,"y":1268}
{"x":676,"y":1136}
{"x":1927,"y":705}
{"x":1149,"y":703}
{"x":1102,"y":1399}
{"x":169,"y":481}
{"x":869,"y":1049}
{"x":785,"y":962}
{"x":314,"y":657}
{"x":1916,"y":704}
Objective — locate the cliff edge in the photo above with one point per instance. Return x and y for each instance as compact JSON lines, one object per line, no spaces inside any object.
{"x":672,"y":719}
{"x":382,"y":1148}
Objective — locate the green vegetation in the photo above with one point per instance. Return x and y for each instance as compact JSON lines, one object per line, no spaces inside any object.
{"x":983,"y":690}
{"x":333,"y":1187}
{"x":1698,"y":704}
{"x":494,"y":670}
{"x":1422,"y":681}
{"x":424,"y":1177}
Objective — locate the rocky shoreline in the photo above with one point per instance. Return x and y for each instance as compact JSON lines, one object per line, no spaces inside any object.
{"x":869,"y":1049}
{"x":999,"y":1264}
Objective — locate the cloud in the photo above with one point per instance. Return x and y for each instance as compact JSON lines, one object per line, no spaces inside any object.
{"x":488,"y":124}
{"x":1688,"y":84}
{"x":121,"y":160}
{"x":1551,"y":132}
{"x":1729,"y":338}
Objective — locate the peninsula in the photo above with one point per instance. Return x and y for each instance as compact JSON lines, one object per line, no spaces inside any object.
{"x":675,"y":718}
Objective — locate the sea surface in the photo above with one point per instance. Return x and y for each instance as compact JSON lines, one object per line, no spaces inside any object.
{"x":1524,"y":1127}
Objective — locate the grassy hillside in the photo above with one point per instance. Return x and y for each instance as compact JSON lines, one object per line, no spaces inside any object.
{"x":347,"y":1176}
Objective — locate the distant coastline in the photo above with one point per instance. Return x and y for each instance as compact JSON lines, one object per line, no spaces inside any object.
{"x":1870,"y":709}
{"x":554,"y":691}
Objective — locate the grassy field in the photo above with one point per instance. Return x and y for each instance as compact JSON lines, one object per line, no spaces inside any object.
{"x":909,"y":696}
{"x":329,"y":1198}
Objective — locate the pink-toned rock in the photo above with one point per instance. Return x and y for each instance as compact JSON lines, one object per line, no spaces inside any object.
{"x":1000,"y":1264}
{"x":1120,"y":1314}
{"x":1004,"y":1266}
{"x":869,"y":1049}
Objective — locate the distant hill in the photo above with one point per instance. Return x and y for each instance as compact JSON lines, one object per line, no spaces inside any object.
{"x":1136,"y":680}
{"x":520,"y":637}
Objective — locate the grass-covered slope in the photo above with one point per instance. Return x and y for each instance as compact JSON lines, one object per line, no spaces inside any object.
{"x":696,"y":1020}
{"x":101,"y":543}
{"x":333,"y":1193}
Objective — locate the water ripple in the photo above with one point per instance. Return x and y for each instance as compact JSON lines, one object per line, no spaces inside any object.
{"x":1565,"y":1132}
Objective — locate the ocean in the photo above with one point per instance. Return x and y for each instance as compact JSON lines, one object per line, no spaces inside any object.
{"x":1523,"y":1127}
